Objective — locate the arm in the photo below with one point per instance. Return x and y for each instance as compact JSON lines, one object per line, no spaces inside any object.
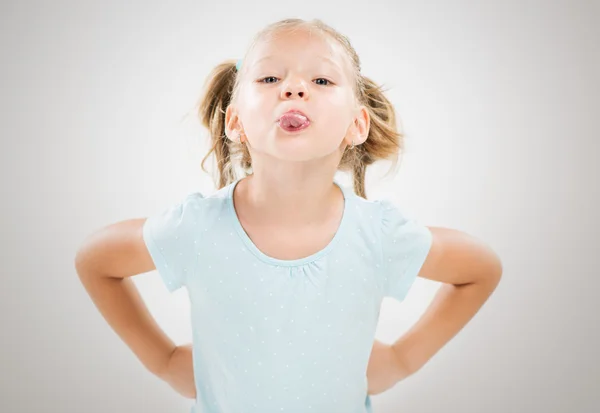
{"x":104,"y":264}
{"x":470,"y":271}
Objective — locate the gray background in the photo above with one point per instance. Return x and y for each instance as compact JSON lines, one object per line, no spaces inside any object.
{"x":498,"y":101}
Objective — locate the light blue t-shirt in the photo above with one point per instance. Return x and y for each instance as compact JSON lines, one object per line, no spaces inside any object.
{"x":290,"y":336}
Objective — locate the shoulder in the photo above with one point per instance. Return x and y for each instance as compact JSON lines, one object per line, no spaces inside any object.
{"x":198,"y":202}
{"x":186,"y":213}
{"x":405,"y":244}
{"x":364,"y":209}
{"x":397,"y":223}
{"x":385,"y":209}
{"x":186,"y":207}
{"x":405,"y":239}
{"x":382,"y":213}
{"x":173,"y":235}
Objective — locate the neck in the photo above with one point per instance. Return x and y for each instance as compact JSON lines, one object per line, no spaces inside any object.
{"x":292,"y":197}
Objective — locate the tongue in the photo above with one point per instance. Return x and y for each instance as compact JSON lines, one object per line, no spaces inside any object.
{"x":292,"y":120}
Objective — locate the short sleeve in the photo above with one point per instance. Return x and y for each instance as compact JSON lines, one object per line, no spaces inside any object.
{"x":170,"y":237}
{"x":405,"y":245}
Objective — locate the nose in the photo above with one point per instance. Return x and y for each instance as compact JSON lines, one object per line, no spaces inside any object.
{"x":293,"y":90}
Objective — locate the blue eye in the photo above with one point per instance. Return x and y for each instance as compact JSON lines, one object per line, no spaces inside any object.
{"x":268,"y":77}
{"x":328,"y":82}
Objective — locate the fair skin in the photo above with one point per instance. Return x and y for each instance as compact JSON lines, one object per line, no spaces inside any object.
{"x":290,"y":199}
{"x":293,"y":174}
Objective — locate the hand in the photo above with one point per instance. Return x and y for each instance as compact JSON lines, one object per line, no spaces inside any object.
{"x":180,"y":371}
{"x":385,"y":368}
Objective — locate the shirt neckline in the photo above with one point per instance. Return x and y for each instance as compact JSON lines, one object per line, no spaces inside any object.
{"x":280,"y":262}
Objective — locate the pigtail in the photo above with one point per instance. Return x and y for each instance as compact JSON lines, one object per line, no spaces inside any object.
{"x":384,"y":141}
{"x":218,"y":93}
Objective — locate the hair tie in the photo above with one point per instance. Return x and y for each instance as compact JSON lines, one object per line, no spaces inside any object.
{"x":238,"y":65}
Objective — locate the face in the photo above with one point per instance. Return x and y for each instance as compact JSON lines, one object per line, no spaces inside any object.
{"x":304,"y":72}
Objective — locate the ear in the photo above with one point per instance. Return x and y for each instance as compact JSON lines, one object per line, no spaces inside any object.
{"x":233,"y":126}
{"x":360,"y":127}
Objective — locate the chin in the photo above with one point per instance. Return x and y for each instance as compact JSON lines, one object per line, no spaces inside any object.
{"x":294,"y":155}
{"x":299,"y":146}
{"x":304,"y":153}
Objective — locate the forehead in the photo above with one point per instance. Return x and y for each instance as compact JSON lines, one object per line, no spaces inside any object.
{"x":300,"y":45}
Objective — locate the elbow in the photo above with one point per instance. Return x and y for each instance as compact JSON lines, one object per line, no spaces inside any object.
{"x":79,"y":262}
{"x":84,"y":258}
{"x":498,"y":269}
{"x":494,"y":267}
{"x":493,"y":275}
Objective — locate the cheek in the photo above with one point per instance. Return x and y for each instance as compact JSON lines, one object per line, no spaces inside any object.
{"x":256,"y":106}
{"x":340,"y":106}
{"x":251,"y":100}
{"x":337,"y":115}
{"x":255,"y":111}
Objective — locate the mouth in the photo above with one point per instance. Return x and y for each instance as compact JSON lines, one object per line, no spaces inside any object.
{"x":293,"y":121}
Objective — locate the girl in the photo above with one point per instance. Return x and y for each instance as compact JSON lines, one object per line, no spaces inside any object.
{"x":286,"y":268}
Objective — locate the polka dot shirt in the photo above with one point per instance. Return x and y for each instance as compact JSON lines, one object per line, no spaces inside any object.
{"x":272,"y":335}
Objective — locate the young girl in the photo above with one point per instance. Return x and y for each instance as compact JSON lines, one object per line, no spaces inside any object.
{"x":285,"y":267}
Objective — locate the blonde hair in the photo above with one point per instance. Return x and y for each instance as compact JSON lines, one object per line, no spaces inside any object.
{"x":384,"y":141}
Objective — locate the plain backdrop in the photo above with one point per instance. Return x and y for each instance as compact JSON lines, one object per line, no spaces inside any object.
{"x":499,"y":104}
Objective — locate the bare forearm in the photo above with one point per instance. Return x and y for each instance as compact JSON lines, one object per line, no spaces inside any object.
{"x":450,"y":310}
{"x":121,"y":305}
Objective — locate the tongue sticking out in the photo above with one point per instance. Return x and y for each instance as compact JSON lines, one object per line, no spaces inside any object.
{"x":292,"y":120}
